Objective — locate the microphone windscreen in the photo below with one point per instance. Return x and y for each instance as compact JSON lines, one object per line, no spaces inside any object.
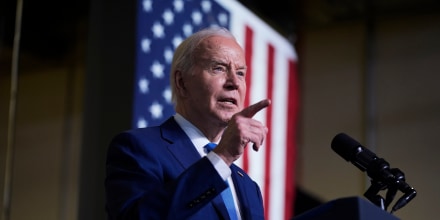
{"x":345,"y":146}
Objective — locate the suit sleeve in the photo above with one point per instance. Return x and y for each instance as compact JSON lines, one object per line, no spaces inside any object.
{"x":144,"y":182}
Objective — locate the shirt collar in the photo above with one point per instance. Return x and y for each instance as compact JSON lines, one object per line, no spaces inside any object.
{"x":195,"y":135}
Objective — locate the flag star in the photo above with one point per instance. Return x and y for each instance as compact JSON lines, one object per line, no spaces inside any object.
{"x":147,"y":5}
{"x":177,"y":40}
{"x":158,"y":30}
{"x":223,"y":19}
{"x":145,"y":45}
{"x":157,"y":69}
{"x":168,"y":17}
{"x":187,"y":29}
{"x":168,"y":55}
{"x":196,"y":17}
{"x":206,"y":6}
{"x":167,"y":94}
{"x":214,"y":25}
{"x":143,"y":85}
{"x":141,"y":123}
{"x":178,"y":5}
{"x":156,"y":110}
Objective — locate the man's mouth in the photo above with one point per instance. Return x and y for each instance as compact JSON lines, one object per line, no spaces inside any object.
{"x":228,"y":101}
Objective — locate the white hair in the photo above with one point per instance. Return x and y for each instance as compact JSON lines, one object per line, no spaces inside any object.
{"x":185,"y":55}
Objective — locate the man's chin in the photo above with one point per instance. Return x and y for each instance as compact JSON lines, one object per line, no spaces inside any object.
{"x":225,"y":118}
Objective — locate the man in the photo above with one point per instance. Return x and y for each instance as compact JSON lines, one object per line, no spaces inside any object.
{"x":162,"y":172}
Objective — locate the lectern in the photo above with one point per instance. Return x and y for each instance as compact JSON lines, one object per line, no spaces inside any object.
{"x":350,"y":208}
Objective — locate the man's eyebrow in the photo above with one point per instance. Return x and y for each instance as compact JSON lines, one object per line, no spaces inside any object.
{"x":218,"y":62}
{"x":223,"y":63}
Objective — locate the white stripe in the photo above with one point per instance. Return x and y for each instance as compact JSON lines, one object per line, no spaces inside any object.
{"x":237,"y":27}
{"x":279,"y":119}
{"x":239,"y":12}
{"x":258,"y":91}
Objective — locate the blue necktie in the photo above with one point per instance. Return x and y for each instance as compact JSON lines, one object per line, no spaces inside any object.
{"x":227,"y":193}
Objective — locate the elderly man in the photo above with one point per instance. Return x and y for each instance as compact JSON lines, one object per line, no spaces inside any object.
{"x":183,"y":169}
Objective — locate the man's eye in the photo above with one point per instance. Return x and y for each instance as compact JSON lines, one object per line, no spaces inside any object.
{"x":241,"y":73}
{"x":219,"y":69}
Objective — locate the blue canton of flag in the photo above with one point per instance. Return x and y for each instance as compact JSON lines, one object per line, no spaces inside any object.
{"x":161,"y":27}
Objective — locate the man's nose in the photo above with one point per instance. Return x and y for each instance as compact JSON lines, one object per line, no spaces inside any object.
{"x":232,"y":80}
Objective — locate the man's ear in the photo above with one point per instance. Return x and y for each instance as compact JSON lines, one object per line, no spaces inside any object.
{"x":180,"y":83}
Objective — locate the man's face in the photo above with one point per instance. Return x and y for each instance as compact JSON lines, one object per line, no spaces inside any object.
{"x":217,"y":87}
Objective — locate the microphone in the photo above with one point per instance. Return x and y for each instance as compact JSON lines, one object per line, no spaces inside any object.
{"x":352,"y":151}
{"x":377,"y":168}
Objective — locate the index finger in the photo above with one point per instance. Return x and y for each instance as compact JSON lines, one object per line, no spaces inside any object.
{"x":251,"y":110}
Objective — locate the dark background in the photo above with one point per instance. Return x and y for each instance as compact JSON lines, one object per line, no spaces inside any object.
{"x":58,"y":33}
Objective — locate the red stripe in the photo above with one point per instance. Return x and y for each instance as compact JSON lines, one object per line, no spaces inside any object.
{"x":248,"y":51}
{"x":292,"y":117}
{"x":268,"y":141}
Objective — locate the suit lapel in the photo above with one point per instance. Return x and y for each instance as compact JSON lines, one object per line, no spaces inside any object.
{"x":179,"y":144}
{"x":184,"y":151}
{"x":240,"y":189}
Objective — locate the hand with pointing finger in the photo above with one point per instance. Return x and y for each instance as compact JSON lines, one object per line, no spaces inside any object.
{"x":242,"y":129}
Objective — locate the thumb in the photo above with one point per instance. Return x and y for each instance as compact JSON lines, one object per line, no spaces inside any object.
{"x":251,"y":110}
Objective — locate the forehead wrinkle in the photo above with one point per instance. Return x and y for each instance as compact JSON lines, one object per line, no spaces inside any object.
{"x":210,"y":51}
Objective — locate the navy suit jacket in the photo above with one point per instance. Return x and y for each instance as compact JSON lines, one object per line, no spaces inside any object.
{"x":156,"y":173}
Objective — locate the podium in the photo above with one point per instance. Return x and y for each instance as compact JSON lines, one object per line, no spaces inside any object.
{"x":350,"y":208}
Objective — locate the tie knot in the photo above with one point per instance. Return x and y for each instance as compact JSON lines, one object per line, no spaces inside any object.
{"x":209,"y":147}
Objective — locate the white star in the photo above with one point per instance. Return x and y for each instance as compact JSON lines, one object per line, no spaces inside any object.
{"x":168,"y":54}
{"x":223,"y":19}
{"x":145,"y":45}
{"x":168,"y":17}
{"x":178,"y":5}
{"x":206,"y":6}
{"x":156,"y":110}
{"x":143,"y":85}
{"x":158,"y":30}
{"x":141,"y":123}
{"x":167,"y":94}
{"x":187,"y":29}
{"x":177,"y":40}
{"x":157,"y":69}
{"x":147,"y":5}
{"x":196,"y":17}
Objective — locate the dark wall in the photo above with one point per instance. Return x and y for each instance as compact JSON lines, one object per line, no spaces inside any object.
{"x":108,"y":95}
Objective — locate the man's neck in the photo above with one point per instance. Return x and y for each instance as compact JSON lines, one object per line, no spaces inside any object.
{"x":212,"y":131}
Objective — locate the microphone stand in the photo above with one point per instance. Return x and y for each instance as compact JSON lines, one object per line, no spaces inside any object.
{"x":372,"y":194}
{"x":393,"y":183}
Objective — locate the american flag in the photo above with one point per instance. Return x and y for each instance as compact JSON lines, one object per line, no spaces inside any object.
{"x":271,"y":60}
